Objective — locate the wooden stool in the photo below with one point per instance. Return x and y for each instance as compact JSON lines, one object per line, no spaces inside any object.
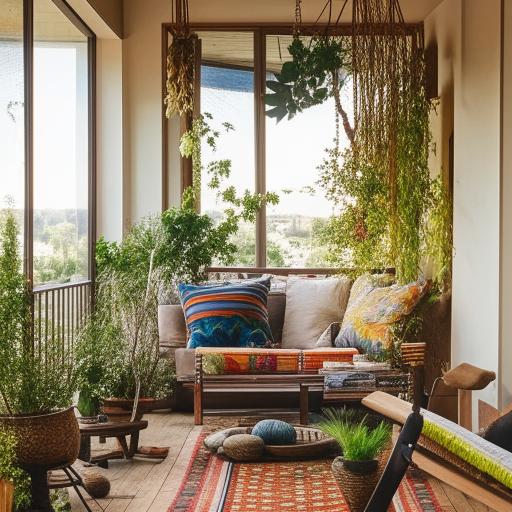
{"x":119,"y":431}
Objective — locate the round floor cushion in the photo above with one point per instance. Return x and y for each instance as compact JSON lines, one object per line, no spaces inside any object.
{"x":275,"y":432}
{"x":214,"y":441}
{"x":243,"y":447}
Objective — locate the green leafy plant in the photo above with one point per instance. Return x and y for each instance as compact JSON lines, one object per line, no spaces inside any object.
{"x":358,"y":441}
{"x":11,"y":472}
{"x":405,"y":330}
{"x":193,"y":241}
{"x":358,"y":237}
{"x":118,"y":352}
{"x":439,"y":232}
{"x":381,"y":184}
{"x":36,"y":376}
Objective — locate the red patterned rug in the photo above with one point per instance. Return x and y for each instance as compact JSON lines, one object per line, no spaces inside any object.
{"x":210,"y":484}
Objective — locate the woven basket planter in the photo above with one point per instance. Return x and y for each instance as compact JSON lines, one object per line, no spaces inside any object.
{"x":357,"y":481}
{"x":46,"y":440}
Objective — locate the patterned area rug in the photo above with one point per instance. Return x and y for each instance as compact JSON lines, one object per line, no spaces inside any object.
{"x":210,"y":484}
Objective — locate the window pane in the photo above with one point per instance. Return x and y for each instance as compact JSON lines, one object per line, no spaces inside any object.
{"x":12,"y":116}
{"x":60,"y":147}
{"x":294,"y":149}
{"x":227,"y":93}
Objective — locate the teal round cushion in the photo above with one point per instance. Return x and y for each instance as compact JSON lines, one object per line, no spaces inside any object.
{"x":275,"y":432}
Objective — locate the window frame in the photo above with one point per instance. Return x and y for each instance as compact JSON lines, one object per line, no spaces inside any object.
{"x":260,"y":32}
{"x":28,"y":61}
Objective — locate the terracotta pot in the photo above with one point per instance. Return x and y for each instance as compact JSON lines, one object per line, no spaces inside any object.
{"x":357,"y":480}
{"x":6,"y":495}
{"x":47,"y":440}
{"x":120,"y":409}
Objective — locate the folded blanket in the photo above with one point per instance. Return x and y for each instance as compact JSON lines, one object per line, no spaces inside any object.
{"x":349,"y":379}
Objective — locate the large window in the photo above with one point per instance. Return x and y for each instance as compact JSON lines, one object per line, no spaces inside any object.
{"x":61,"y":142}
{"x":266,"y":156}
{"x":227,"y":94}
{"x":12,"y":112}
{"x":46,"y":113}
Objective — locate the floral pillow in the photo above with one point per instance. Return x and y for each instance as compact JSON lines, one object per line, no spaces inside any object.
{"x":372,"y":311}
{"x":227,"y":314}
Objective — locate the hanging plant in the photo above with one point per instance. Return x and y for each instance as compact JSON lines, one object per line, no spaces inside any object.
{"x":318,"y":70}
{"x":179,"y":97}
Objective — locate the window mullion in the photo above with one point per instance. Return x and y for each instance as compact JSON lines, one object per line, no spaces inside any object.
{"x":259,"y":136}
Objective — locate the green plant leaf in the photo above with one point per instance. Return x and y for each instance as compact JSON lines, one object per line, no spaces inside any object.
{"x":277,"y":112}
{"x":278,"y":86}
{"x":274,"y":100}
{"x":289,"y":72}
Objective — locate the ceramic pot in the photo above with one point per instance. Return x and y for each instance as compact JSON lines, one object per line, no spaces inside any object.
{"x":120,"y":409}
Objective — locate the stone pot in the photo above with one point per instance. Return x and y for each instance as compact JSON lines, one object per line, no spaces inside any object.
{"x":120,"y":409}
{"x":6,"y":495}
{"x":357,"y":480}
{"x":47,"y":440}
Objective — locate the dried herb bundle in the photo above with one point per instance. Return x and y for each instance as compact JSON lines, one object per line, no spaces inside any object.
{"x":180,"y":75}
{"x":180,"y":63}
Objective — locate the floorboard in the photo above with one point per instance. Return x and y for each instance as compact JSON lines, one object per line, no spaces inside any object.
{"x":146,"y":486}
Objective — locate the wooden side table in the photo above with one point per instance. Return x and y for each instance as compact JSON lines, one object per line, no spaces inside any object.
{"x":119,"y":431}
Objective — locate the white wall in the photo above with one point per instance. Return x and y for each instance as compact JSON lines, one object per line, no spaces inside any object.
{"x":111,"y":184}
{"x":142,"y":76}
{"x":475,"y":331}
{"x":468,"y":36}
{"x":506,"y":215}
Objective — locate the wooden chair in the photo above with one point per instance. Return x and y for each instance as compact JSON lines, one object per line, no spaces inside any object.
{"x":440,"y":462}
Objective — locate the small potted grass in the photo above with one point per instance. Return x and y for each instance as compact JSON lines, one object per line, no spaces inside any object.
{"x":357,"y":470}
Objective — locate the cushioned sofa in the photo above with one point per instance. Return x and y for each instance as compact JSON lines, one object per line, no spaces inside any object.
{"x":292,"y":311}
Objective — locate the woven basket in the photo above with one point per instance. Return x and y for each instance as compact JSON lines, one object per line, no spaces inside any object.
{"x":310,"y":443}
{"x":356,"y":480}
{"x":47,"y":440}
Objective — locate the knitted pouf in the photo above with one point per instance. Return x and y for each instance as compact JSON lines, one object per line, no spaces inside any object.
{"x":243,"y":447}
{"x":275,"y":432}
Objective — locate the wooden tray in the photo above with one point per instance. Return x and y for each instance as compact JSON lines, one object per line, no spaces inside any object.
{"x":311,"y":443}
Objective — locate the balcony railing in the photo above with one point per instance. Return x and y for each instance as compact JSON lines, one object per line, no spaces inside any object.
{"x":59,"y":313}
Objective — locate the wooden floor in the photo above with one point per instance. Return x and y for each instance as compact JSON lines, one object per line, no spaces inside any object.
{"x":144,"y":486}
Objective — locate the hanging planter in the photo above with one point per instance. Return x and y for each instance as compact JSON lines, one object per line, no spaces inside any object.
{"x":179,"y":98}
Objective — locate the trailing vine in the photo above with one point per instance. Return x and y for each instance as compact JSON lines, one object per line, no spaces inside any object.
{"x":439,"y":233}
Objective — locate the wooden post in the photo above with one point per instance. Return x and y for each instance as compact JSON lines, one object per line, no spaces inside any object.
{"x":465,"y":409}
{"x":198,"y":390}
{"x":304,"y":403}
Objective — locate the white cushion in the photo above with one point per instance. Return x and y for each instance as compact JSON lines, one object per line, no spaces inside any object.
{"x":311,"y":306}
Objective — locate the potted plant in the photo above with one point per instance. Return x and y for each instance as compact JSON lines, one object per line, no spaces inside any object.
{"x":14,"y":481}
{"x":357,"y":470}
{"x":36,"y":377}
{"x":117,"y":353}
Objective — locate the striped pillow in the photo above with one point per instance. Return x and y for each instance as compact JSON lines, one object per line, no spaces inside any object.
{"x":227,"y":315}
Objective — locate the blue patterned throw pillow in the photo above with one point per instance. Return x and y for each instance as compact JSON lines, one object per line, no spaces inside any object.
{"x":227,"y":315}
